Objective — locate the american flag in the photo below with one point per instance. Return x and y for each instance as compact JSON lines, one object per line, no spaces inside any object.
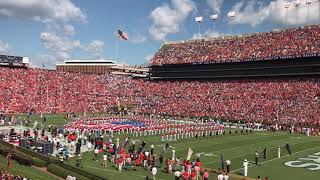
{"x":122,"y":35}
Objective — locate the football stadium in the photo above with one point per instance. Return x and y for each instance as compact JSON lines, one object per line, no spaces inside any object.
{"x":232,"y":103}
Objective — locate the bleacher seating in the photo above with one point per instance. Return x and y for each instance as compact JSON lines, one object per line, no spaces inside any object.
{"x":273,"y":45}
{"x":287,"y":100}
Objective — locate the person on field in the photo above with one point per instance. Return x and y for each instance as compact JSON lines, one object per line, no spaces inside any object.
{"x":104,"y":160}
{"x":193,"y":175}
{"x":279,"y":152}
{"x":137,"y":163}
{"x":228,"y":164}
{"x":154,"y":172}
{"x":78,"y":164}
{"x":96,"y":151}
{"x":226,"y":176}
{"x":205,"y":175}
{"x":256,"y":157}
{"x":220,"y":176}
{"x":185,"y":175}
{"x":120,"y":164}
{"x":245,"y":168}
{"x":9,"y":160}
{"x":177,"y":175}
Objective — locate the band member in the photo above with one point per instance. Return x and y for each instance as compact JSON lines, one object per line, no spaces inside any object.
{"x":9,"y":160}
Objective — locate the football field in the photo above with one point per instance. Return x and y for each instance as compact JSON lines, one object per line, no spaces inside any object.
{"x":235,"y":147}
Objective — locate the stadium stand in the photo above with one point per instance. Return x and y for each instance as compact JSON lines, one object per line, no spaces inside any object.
{"x":288,"y":43}
{"x":262,"y":96}
{"x":269,"y":100}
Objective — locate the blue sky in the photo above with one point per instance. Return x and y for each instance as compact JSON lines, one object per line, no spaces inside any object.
{"x":49,"y":31}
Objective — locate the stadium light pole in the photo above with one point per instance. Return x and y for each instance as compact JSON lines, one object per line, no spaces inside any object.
{"x":319,"y":11}
{"x":199,"y":19}
{"x":308,"y":2}
{"x":286,"y":6}
{"x":231,"y":15}
{"x":214,"y":17}
{"x":297,"y":4}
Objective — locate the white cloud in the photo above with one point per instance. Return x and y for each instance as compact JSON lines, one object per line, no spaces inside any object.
{"x":250,"y":12}
{"x":69,"y":30}
{"x":208,"y":34}
{"x":197,"y":36}
{"x":4,"y":47}
{"x":95,"y":47}
{"x":149,"y":57}
{"x":138,"y":39}
{"x":42,"y":10}
{"x":45,"y":60}
{"x":215,"y":5}
{"x":255,"y":12}
{"x":277,"y":13}
{"x":167,"y":19}
{"x":59,"y":48}
{"x":59,"y":44}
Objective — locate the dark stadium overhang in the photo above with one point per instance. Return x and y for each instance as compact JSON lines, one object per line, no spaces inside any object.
{"x":302,"y":66}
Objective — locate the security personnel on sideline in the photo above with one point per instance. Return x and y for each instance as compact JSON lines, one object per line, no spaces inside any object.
{"x":256,"y":158}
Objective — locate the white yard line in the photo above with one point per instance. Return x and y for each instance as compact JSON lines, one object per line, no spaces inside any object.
{"x":279,"y":158}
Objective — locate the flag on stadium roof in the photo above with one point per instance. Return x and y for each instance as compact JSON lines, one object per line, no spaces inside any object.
{"x":122,"y":35}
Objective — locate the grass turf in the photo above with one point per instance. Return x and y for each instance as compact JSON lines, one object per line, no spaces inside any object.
{"x":25,"y":171}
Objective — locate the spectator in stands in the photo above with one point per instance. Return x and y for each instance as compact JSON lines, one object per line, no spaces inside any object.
{"x":260,"y":46}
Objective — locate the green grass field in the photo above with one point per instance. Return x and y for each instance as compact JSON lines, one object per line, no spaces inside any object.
{"x":25,"y":171}
{"x":233,"y":147}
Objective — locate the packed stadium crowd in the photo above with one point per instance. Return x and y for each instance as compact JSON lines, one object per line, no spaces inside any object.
{"x":267,"y":100}
{"x":287,"y":43}
{"x":24,"y":90}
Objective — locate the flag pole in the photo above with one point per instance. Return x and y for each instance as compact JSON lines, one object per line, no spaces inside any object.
{"x":117,"y":47}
